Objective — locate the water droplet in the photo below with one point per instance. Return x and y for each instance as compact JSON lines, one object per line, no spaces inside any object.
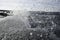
{"x":31,"y":33}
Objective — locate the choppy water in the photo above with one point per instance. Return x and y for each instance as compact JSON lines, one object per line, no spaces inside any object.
{"x":31,"y":26}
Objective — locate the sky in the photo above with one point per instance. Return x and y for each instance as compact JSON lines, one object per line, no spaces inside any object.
{"x":41,"y":5}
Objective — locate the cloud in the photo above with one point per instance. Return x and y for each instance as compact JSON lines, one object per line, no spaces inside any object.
{"x":52,"y":5}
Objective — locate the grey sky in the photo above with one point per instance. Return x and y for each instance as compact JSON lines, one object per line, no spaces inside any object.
{"x":43,"y":5}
